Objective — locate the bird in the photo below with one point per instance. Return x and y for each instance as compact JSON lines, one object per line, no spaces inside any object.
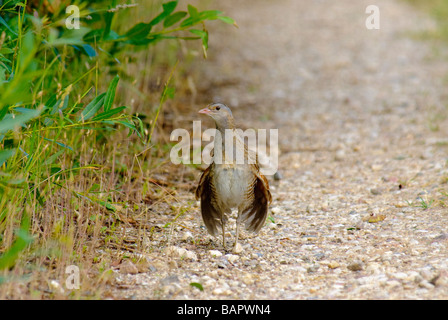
{"x":231,"y":184}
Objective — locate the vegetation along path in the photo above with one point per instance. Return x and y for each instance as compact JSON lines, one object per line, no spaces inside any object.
{"x":360,"y":211}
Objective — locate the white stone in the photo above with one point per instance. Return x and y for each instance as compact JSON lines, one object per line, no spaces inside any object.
{"x":232,"y":257}
{"x":215,"y":253}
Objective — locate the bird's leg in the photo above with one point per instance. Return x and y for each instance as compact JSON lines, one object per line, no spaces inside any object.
{"x":237,"y":232}
{"x":223,"y":233}
{"x":235,"y":247}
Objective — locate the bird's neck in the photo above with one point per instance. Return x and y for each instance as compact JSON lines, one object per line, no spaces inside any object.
{"x":224,"y":124}
{"x":221,"y":145}
{"x":222,"y":127}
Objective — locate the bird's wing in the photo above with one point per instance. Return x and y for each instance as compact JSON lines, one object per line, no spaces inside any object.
{"x":255,"y":213}
{"x":211,"y":213}
{"x":265,"y":184}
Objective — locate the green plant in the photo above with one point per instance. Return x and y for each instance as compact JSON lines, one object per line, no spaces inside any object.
{"x":61,"y":115}
{"x":422,"y":203}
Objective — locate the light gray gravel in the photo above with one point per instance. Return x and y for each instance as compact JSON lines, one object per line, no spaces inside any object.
{"x":363,"y":135}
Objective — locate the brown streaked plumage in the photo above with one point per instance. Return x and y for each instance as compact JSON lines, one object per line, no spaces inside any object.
{"x":229,"y":184}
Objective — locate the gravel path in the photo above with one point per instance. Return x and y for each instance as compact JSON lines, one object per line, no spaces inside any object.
{"x":361,"y":210}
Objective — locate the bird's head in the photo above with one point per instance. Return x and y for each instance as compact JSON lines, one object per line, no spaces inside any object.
{"x":221,"y":114}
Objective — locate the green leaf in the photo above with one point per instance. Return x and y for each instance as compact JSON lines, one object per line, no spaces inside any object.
{"x":228,"y":20}
{"x":5,"y":155}
{"x":59,"y":144}
{"x":194,"y":13}
{"x":174,"y":18}
{"x":10,"y":123}
{"x":193,"y":19}
{"x":94,"y":35}
{"x":8,"y":259}
{"x":190,"y":22}
{"x":108,"y":114}
{"x":13,"y":183}
{"x":3,"y":112}
{"x":49,"y":104}
{"x":53,"y":157}
{"x":112,"y":35}
{"x":6,"y":51}
{"x":130,"y":126}
{"x":204,"y":36}
{"x":107,"y":205}
{"x":141,"y":42}
{"x":108,"y":19}
{"x":56,"y":105}
{"x":197,"y":285}
{"x":27,"y":51}
{"x":140,"y":30}
{"x":3,"y":22}
{"x":168,"y":8}
{"x":110,"y":94}
{"x":92,"y":108}
{"x":89,"y":50}
{"x":200,"y":33}
{"x":209,"y":14}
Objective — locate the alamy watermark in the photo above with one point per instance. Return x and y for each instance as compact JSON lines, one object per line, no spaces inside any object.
{"x":188,"y":151}
{"x":373,"y":20}
{"x":72,"y":281}
{"x":72,"y":21}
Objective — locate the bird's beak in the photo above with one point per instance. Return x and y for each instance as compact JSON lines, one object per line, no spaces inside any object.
{"x":205,"y":111}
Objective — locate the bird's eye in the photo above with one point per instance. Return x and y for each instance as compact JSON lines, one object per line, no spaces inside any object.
{"x":217,"y":108}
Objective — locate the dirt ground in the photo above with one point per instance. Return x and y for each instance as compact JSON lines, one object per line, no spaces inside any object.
{"x":360,"y":211}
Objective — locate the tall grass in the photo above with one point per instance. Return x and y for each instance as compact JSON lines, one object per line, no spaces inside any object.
{"x":69,"y":152}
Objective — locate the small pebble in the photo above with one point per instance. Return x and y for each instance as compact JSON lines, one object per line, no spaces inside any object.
{"x":333,"y":265}
{"x":232,"y":258}
{"x":340,"y":155}
{"x":238,"y":248}
{"x":56,"y":286}
{"x":186,"y":236}
{"x":128,"y":267}
{"x":355,"y":266}
{"x":215,"y":253}
{"x":425,"y":284}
